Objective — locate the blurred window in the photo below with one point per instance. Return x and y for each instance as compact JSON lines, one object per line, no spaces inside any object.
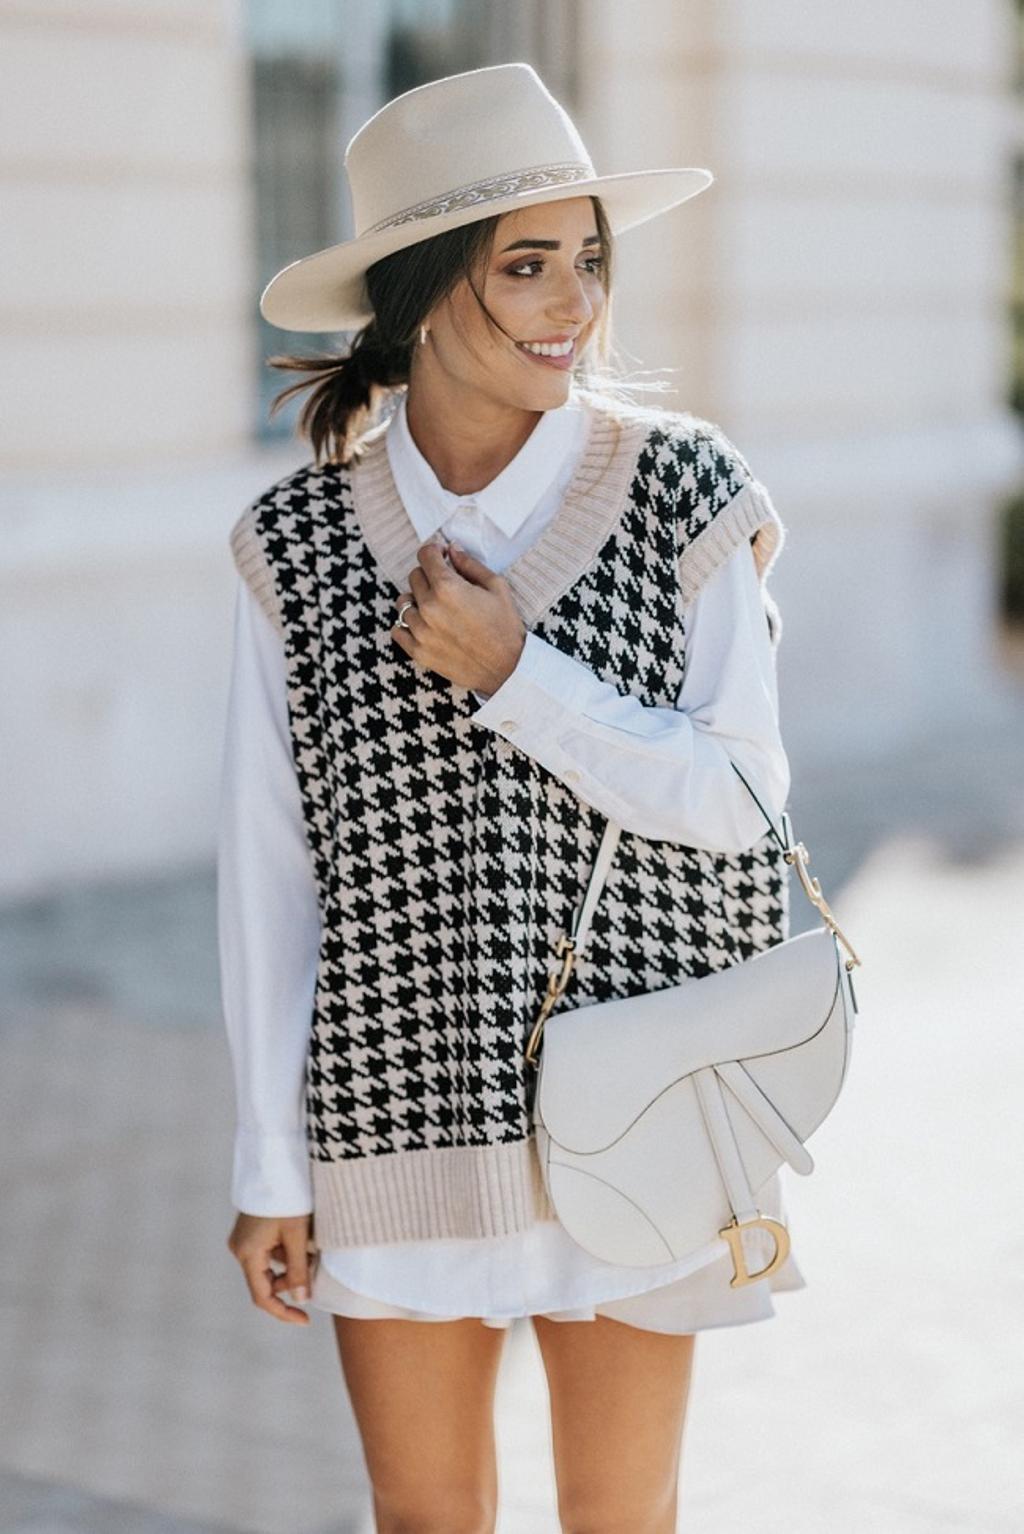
{"x":1017,"y":254}
{"x":319,"y":70}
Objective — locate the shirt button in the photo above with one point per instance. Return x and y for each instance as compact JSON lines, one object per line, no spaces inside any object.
{"x":572,"y":776}
{"x":509,"y":724}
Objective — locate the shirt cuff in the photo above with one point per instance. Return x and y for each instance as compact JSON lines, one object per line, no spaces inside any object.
{"x":271,"y":1175}
{"x":536,"y":708}
{"x":545,"y":688}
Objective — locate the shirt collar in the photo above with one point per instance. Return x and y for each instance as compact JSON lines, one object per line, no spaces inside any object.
{"x":509,"y":498}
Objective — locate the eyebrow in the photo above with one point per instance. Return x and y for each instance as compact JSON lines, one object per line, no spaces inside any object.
{"x":591,"y":239}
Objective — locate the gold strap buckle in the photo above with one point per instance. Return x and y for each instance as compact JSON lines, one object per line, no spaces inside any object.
{"x":557,"y":982}
{"x":799,"y":855}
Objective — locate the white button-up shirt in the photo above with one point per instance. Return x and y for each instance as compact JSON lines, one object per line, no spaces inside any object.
{"x":662,"y":772}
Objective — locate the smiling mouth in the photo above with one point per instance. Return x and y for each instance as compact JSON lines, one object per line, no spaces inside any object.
{"x":560,"y":355}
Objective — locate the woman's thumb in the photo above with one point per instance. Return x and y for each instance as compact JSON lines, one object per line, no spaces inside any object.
{"x":469,"y":566}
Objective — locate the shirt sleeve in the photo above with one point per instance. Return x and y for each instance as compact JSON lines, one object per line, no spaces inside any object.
{"x":665,"y":773}
{"x":268,"y":925}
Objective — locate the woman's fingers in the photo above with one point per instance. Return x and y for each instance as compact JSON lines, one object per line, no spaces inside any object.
{"x":260,"y":1279}
{"x":255,"y":1242}
{"x":296,"y":1259}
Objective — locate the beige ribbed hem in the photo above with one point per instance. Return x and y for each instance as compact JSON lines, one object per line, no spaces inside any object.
{"x":252,"y":566}
{"x":423,"y":1195}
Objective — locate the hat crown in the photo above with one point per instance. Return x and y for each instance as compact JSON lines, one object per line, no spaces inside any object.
{"x":460,"y":140}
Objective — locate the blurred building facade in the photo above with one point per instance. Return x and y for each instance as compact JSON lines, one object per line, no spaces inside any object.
{"x":839,"y":302}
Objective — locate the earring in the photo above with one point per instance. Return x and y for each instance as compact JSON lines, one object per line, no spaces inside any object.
{"x":423,"y":335}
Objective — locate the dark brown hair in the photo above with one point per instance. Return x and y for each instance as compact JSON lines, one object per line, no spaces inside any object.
{"x":403,"y":289}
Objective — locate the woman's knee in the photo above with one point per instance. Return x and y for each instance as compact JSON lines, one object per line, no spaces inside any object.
{"x":460,"y":1512}
{"x":591,"y":1510}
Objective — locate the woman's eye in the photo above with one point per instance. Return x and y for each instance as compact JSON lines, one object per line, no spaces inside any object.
{"x":593,"y":262}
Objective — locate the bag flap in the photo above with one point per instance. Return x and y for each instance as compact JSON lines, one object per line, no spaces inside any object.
{"x":602,"y":1064}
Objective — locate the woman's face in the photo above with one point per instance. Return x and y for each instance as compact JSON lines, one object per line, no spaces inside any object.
{"x":542,"y":282}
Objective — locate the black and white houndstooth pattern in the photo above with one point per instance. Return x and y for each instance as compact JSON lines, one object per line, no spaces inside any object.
{"x":447,"y":866}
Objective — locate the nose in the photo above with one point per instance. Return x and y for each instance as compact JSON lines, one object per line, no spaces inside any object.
{"x":575,"y":307}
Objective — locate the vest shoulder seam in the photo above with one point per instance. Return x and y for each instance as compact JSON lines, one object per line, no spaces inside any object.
{"x":253,"y":566}
{"x":748,"y":514}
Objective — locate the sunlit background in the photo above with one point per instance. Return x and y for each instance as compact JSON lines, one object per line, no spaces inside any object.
{"x":847,"y":302}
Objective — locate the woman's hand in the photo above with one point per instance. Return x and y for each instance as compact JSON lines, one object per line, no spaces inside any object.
{"x":256,"y":1241}
{"x":465,"y":624}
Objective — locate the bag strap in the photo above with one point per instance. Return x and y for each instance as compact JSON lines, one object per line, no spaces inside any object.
{"x":580,"y":929}
{"x":570,"y":944}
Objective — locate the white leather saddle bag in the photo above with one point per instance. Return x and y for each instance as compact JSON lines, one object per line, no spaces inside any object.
{"x":660,"y":1116}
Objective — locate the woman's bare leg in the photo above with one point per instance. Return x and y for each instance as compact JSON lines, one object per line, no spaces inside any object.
{"x":423,"y":1397}
{"x":618,"y":1409}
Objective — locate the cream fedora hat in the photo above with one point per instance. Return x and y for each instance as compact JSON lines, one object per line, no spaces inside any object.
{"x":447,"y":153}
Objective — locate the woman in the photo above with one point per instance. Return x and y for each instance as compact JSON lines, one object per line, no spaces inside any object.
{"x":512,"y":607}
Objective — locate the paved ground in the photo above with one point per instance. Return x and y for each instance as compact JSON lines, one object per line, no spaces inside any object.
{"x":142,"y":1394}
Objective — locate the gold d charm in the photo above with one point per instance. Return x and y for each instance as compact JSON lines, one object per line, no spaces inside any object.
{"x":733,"y":1234}
{"x":557,"y":983}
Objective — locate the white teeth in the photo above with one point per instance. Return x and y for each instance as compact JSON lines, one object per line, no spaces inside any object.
{"x":548,"y":348}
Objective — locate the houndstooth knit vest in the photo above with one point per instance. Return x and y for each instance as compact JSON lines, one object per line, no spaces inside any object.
{"x":447,"y":861}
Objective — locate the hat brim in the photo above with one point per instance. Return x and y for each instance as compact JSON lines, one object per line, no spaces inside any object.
{"x":326,"y":290}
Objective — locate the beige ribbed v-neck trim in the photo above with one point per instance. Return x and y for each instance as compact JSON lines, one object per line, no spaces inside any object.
{"x":594,"y":499}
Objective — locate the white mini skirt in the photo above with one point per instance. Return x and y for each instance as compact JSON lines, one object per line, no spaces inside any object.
{"x":701,"y":1300}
